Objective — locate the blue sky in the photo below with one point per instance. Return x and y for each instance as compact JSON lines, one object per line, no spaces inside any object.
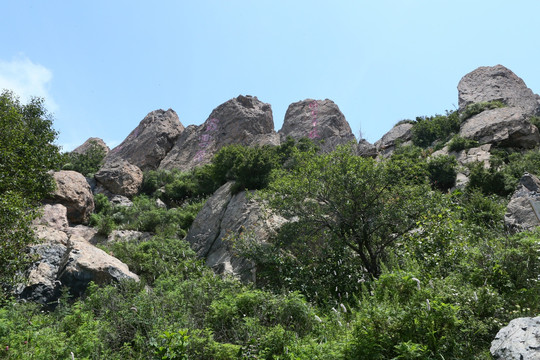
{"x":103,"y":65}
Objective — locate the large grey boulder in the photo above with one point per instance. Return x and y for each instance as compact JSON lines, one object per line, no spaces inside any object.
{"x":72,"y":191}
{"x":400,"y":134}
{"x":519,"y":340}
{"x":243,"y":120}
{"x":65,"y":258}
{"x":90,"y":144}
{"x":490,"y":83}
{"x":119,"y":177}
{"x":150,"y":141}
{"x":318,"y":120}
{"x":223,"y":215}
{"x":86,"y":263}
{"x":520,"y":214}
{"x":507,"y":126}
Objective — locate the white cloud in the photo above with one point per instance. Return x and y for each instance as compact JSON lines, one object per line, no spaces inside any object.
{"x":27,"y":79}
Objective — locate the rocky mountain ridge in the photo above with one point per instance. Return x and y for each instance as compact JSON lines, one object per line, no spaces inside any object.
{"x":68,"y":257}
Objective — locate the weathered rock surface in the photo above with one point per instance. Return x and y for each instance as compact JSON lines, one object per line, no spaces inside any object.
{"x":91,"y":235}
{"x":66,"y":258}
{"x":319,"y":120}
{"x":243,"y":120}
{"x":399,"y":134}
{"x":75,"y":194}
{"x":119,"y":177}
{"x":86,"y":263}
{"x":54,"y":216}
{"x":520,"y":214}
{"x":489,"y":83}
{"x":89,"y":144}
{"x":519,"y":340}
{"x":507,"y":126}
{"x":150,"y":141}
{"x":366,"y":149}
{"x":225,"y":214}
{"x":467,"y":156}
{"x":119,"y":200}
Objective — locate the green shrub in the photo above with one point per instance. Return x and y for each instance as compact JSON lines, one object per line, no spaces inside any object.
{"x":428,"y":130}
{"x":88,"y":163}
{"x":535,"y":120}
{"x":442,"y":172}
{"x":249,"y":167}
{"x":458,"y":143}
{"x":488,"y":181}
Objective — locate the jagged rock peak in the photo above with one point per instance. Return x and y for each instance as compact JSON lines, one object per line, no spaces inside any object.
{"x":150,"y":141}
{"x":88,"y":144}
{"x":488,"y":83}
{"x":319,"y":120}
{"x":243,"y":120}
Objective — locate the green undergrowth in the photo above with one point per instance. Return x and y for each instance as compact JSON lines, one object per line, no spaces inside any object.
{"x":440,"y":289}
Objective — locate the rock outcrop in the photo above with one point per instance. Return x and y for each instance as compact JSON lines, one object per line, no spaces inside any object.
{"x":85,"y":262}
{"x":507,"y":127}
{"x":66,"y":258}
{"x":519,"y":340}
{"x":399,"y":134}
{"x":89,"y":144}
{"x":224,"y":214}
{"x":467,"y":156}
{"x":119,"y":177}
{"x":366,"y":149}
{"x":75,"y":194}
{"x":318,"y":120}
{"x":490,"y":83}
{"x":150,"y":141}
{"x":53,"y":216}
{"x":520,"y":212}
{"x":243,"y":120}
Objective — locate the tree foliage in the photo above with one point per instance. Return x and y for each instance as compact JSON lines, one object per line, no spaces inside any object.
{"x":357,"y":202}
{"x":27,"y":153}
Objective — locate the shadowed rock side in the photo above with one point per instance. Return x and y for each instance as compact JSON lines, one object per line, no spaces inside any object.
{"x":400,"y":134}
{"x":318,"y":120}
{"x":520,"y":214}
{"x":88,"y":144}
{"x":150,"y":141}
{"x":507,"y":127}
{"x":225,"y":214}
{"x":72,"y":191}
{"x":489,"y":83}
{"x":65,"y":257}
{"x":243,"y":120}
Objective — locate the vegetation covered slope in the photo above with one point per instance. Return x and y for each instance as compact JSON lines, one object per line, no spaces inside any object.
{"x":377,"y":263}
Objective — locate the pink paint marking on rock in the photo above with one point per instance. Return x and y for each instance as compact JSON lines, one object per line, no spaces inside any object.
{"x":205,"y":139}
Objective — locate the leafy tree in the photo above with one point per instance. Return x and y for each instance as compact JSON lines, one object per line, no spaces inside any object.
{"x":356,"y":202}
{"x":27,"y":153}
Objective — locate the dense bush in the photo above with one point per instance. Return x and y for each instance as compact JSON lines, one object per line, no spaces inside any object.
{"x":88,"y":163}
{"x":442,"y":172}
{"x":458,"y":143}
{"x":428,"y":130}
